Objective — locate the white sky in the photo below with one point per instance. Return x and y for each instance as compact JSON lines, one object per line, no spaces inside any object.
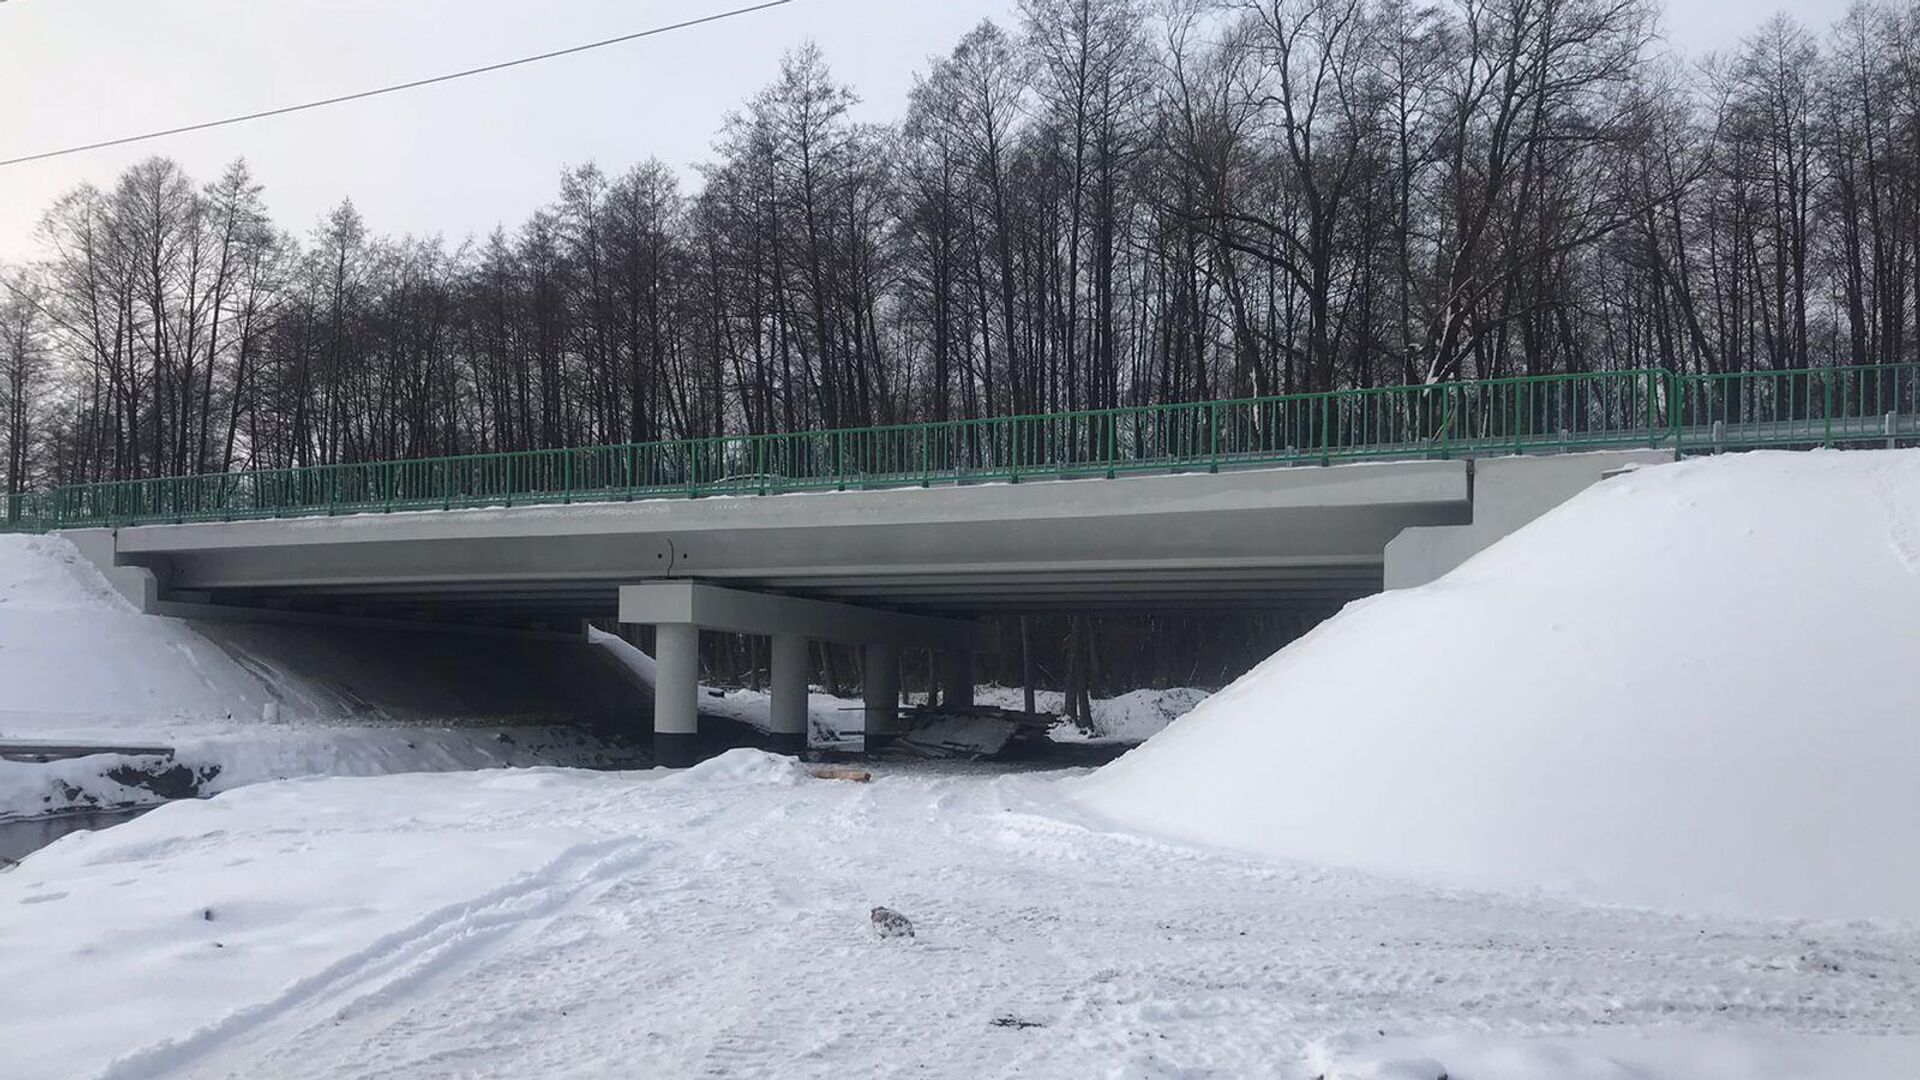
{"x":459,"y":159}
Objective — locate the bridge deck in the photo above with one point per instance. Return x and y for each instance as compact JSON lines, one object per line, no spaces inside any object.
{"x":1238,"y":539}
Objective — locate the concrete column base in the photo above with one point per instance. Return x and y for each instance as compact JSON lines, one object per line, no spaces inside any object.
{"x":789,"y":743}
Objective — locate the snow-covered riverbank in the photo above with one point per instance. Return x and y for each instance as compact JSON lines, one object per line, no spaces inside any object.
{"x":78,"y":665}
{"x":714,"y":922}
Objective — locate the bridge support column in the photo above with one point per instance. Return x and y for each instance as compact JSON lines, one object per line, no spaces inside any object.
{"x":789,"y":706}
{"x":881,"y":691}
{"x":680,"y":609}
{"x":676,"y":695}
{"x":956,"y":679}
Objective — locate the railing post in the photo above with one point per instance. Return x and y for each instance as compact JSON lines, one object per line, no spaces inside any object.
{"x":1677,"y":410}
{"x":1213,"y":429}
{"x":1513,"y":420}
{"x":1653,"y":427}
{"x":1326,"y":429}
{"x":1828,"y":380}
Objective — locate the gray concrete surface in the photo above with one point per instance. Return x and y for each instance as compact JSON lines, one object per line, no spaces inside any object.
{"x":1253,"y":539}
{"x":359,"y":669}
{"x":1507,"y":494}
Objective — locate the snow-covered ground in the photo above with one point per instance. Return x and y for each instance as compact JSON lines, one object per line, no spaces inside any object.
{"x":714,"y":923}
{"x":1691,"y":687}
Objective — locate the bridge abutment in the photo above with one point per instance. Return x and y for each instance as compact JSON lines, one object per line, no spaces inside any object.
{"x":1508,"y":493}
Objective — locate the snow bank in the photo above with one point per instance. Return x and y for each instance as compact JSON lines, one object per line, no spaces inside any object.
{"x":1687,"y":688}
{"x":742,"y":767}
{"x":79,"y":665}
{"x":71,"y":646}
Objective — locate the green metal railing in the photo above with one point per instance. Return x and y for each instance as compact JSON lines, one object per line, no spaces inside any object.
{"x":1539,"y":414}
{"x":24,"y":513}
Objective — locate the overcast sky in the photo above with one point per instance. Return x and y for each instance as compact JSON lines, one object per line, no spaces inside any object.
{"x":460,"y":158}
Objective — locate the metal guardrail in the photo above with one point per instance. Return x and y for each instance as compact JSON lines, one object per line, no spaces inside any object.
{"x":1649,"y":408}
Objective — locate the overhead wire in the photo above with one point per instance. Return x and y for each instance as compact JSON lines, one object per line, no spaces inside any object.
{"x":395,"y":88}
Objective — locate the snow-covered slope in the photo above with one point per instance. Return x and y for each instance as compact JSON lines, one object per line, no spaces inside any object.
{"x":1690,"y":687}
{"x":79,"y":665}
{"x":71,"y":646}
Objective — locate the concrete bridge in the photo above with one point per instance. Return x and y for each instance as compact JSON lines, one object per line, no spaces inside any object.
{"x":903,"y":537}
{"x":884,"y":570}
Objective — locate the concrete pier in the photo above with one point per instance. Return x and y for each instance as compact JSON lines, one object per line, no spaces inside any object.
{"x":880,"y":693}
{"x":679,"y":610}
{"x":790,"y":663}
{"x":676,"y":695}
{"x":956,"y":679}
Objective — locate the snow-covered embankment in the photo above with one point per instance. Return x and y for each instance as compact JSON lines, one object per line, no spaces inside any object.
{"x":78,"y":665}
{"x":1688,"y":688}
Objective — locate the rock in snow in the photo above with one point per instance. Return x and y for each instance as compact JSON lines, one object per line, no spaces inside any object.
{"x":891,"y":924}
{"x":1687,"y":688}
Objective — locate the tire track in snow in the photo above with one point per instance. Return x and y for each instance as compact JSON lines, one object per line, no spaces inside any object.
{"x":406,"y":961}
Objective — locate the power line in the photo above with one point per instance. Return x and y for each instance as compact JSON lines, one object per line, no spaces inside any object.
{"x":398,"y":87}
